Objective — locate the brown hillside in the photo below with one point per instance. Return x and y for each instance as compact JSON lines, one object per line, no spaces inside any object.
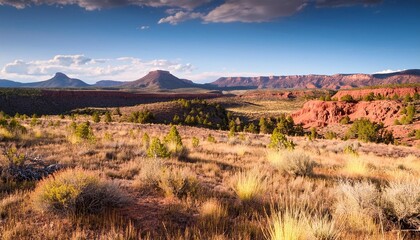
{"x":159,"y":80}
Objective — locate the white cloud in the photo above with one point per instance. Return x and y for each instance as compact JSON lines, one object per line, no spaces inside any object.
{"x":144,"y":27}
{"x":254,"y":10}
{"x":389,"y":71}
{"x":90,"y":69}
{"x":181,"y":16}
{"x":100,"y":4}
{"x":183,"y":10}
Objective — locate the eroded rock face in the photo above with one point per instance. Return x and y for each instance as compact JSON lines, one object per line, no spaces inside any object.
{"x":317,"y":113}
{"x":385,"y":92}
{"x":337,"y":81}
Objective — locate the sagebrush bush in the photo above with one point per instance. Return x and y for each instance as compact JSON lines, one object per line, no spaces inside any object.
{"x":149,"y":174}
{"x":402,"y":202}
{"x":292,"y":162}
{"x":76,"y":191}
{"x":177,"y":182}
{"x":358,"y":205}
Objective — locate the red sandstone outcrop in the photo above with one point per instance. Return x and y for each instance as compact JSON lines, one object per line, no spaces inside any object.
{"x":321,"y":113}
{"x":385,"y":92}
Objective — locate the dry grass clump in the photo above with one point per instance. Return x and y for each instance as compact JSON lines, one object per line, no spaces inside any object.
{"x":356,"y":166}
{"x":295,"y":162}
{"x":249,"y":185}
{"x":212,"y":214}
{"x":10,"y":202}
{"x":76,"y":191}
{"x":149,"y":174}
{"x":402,"y":202}
{"x":297,"y":224}
{"x":358,"y":206}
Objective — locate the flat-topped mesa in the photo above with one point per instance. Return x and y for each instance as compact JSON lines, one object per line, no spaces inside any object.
{"x":337,"y":81}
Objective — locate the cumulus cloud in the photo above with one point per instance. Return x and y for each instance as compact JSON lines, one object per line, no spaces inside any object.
{"x":80,"y":66}
{"x":181,"y":16}
{"x":254,"y":10}
{"x":223,"y":12}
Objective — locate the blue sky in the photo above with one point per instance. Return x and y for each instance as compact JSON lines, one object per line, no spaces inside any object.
{"x":205,"y":39}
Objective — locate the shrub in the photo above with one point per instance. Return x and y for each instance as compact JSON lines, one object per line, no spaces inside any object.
{"x":279,"y":141}
{"x":173,"y":140}
{"x":347,"y":98}
{"x":142,"y":117}
{"x":150,"y":173}
{"x":295,"y":163}
{"x":249,"y":186}
{"x":368,"y":131}
{"x":402,"y":202}
{"x":178,"y":183}
{"x":211,"y":139}
{"x":357,"y":205}
{"x":330,"y":135}
{"x":195,"y":142}
{"x":95,"y":117}
{"x":84,"y":131}
{"x":345,"y":120}
{"x":145,"y":141}
{"x":76,"y":191}
{"x":108,"y":117}
{"x":370,"y":97}
{"x":157,"y":149}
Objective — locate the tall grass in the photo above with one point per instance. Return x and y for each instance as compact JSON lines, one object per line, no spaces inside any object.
{"x":249,"y":185}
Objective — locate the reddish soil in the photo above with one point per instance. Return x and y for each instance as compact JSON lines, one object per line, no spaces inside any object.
{"x":385,"y":92}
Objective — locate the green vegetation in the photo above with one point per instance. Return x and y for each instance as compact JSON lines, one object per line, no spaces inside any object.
{"x":108,"y":117}
{"x":142,"y":117}
{"x":157,"y":149}
{"x":95,"y":117}
{"x":279,"y":141}
{"x":367,"y":131}
{"x":76,"y":192}
{"x":195,"y":142}
{"x":345,"y":120}
{"x":82,"y":132}
{"x":347,"y":98}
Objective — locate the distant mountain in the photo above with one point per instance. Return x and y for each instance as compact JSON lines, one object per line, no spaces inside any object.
{"x":108,"y":83}
{"x":337,"y":81}
{"x":160,"y":80}
{"x":60,"y":80}
{"x":7,"y":83}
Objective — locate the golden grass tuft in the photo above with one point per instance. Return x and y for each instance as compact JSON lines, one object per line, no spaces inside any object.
{"x":356,"y":166}
{"x":249,"y":185}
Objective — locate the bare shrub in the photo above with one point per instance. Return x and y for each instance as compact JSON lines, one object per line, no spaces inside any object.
{"x":357,"y":205}
{"x":292,"y":162}
{"x":402,"y":202}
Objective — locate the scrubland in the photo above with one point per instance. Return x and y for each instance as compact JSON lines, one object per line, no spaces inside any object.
{"x":120,"y":180}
